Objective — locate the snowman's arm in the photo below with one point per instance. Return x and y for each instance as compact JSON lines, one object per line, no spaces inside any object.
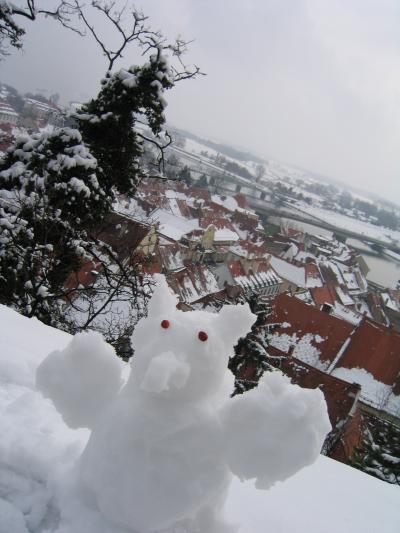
{"x":273,"y":431}
{"x":82,"y":379}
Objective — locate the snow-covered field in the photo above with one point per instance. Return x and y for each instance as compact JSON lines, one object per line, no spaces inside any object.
{"x":38,"y":451}
{"x":351,"y":224}
{"x":197,"y":148}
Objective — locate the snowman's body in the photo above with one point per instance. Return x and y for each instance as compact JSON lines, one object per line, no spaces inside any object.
{"x":167,"y":472}
{"x":163,"y":449}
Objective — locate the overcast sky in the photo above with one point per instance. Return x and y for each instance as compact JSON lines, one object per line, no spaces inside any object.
{"x":315,"y":83}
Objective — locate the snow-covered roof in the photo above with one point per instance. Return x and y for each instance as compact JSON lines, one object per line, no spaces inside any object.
{"x":248,"y":249}
{"x":173,"y":226}
{"x":253,"y":281}
{"x":345,"y":313}
{"x":6,"y":109}
{"x":43,"y":106}
{"x":289,"y":272}
{"x":344,"y":296}
{"x":225,"y":235}
{"x":259,"y":280}
{"x":373,"y":392}
{"x":193,"y":283}
{"x":170,"y":257}
{"x":226,"y":201}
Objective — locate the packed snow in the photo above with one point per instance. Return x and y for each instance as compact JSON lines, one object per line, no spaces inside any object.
{"x":303,"y":347}
{"x":171,"y":432}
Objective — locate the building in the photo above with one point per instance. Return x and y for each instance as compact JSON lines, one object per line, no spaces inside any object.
{"x":8,"y":115}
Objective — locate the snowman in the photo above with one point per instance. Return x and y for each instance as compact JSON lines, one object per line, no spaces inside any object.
{"x":165,"y":445}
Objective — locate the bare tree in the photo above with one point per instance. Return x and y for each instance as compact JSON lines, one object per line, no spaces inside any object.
{"x":113,"y":298}
{"x":11,"y":33}
{"x":131,"y":27}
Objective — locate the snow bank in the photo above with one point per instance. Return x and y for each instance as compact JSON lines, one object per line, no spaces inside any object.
{"x":36,"y":448}
{"x":24,"y":344}
{"x":328,"y":497}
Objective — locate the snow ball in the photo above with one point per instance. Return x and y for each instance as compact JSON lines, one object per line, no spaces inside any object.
{"x":281,"y":426}
{"x":82,"y":379}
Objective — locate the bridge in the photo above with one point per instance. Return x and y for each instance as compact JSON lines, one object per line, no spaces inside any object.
{"x":267,"y":204}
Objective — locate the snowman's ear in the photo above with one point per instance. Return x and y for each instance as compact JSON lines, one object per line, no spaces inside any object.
{"x":163,"y":298}
{"x":235,"y":321}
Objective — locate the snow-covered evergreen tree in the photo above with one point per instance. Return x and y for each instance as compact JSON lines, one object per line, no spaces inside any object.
{"x":251,"y":356}
{"x":56,"y":188}
{"x":379,"y":453}
{"x":50,"y":199}
{"x":107,"y":122}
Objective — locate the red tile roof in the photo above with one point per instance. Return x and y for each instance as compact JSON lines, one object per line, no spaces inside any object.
{"x":302,"y":319}
{"x":311,"y":271}
{"x":236,"y":269}
{"x":322,"y":295}
{"x":183,"y":208}
{"x":121,"y":233}
{"x":248,"y":249}
{"x":85,"y":276}
{"x":193,"y":282}
{"x":241,"y":200}
{"x":196,"y":192}
{"x":375,"y":348}
{"x":215,"y":220}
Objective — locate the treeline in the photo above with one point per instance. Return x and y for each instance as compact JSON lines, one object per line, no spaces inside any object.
{"x":224,"y":149}
{"x":379,"y":216}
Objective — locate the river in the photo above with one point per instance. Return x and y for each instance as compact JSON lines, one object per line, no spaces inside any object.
{"x":384,"y":270}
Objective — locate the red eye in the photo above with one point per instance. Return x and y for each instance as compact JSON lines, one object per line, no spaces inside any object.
{"x":165,"y":324}
{"x":202,"y":336}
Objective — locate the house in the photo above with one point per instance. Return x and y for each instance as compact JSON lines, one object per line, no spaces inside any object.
{"x":8,"y":115}
{"x":363,"y":352}
{"x":127,"y":236}
{"x":249,"y":254}
{"x":309,"y":334}
{"x":172,"y":226}
{"x":263,"y":281}
{"x":296,"y":277}
{"x":375,"y":349}
{"x":193,"y":283}
{"x":170,"y":258}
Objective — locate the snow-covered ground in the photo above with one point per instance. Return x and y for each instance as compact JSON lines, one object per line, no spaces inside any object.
{"x":198,"y":148}
{"x":38,"y":451}
{"x":327,"y":497}
{"x":351,"y":224}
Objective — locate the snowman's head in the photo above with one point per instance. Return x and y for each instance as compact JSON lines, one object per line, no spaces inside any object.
{"x":184,"y":355}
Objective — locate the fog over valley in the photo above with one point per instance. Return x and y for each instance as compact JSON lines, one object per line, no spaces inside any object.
{"x":314,"y":83}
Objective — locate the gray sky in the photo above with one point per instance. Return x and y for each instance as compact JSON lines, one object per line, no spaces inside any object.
{"x":310,"y":82}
